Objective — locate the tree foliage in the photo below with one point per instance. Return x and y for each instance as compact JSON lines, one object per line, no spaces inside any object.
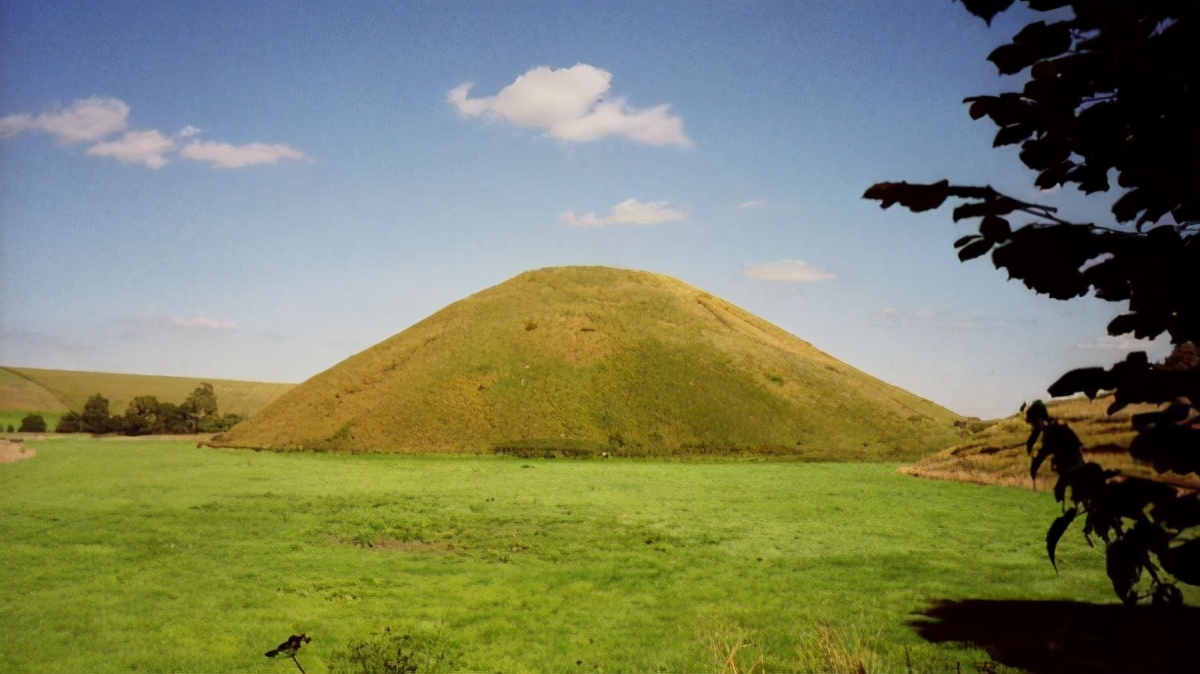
{"x":96,"y":417}
{"x":32,"y":423}
{"x":200,"y":404}
{"x":1110,"y":90}
{"x":146,"y":415}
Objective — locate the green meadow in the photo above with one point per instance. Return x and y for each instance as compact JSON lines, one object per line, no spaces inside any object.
{"x":123,"y":555}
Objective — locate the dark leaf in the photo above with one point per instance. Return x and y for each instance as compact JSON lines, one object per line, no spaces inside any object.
{"x":995,"y":228}
{"x":1054,"y":175}
{"x":965,"y":240}
{"x":1124,"y":566}
{"x":1042,"y":455}
{"x":1039,"y":154}
{"x":986,"y":9}
{"x":1057,"y":529}
{"x":915,"y":197}
{"x":1182,"y":561}
{"x":1168,"y":448}
{"x":1033,"y":436}
{"x":974,"y":249}
{"x":1087,"y":380}
{"x":1060,"y":488}
{"x":1012,"y":58}
{"x":1045,"y":41}
{"x":980,"y":105}
{"x":1014,"y":133}
{"x":993,"y":206}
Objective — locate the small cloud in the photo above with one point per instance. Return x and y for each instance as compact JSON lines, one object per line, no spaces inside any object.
{"x":572,"y":104}
{"x":136,"y":147}
{"x":225,"y":155}
{"x":754,"y":203}
{"x":788,"y":270}
{"x":91,"y":120}
{"x":85,"y":120}
{"x":628,"y":212}
{"x":200,"y":322}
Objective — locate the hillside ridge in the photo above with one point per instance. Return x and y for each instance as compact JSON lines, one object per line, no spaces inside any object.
{"x":590,"y":359}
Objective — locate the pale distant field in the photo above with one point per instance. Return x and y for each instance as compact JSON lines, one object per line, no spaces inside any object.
{"x":52,"y":393}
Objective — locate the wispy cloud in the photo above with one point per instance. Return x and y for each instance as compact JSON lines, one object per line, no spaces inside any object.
{"x":85,"y":120}
{"x":753,"y":203}
{"x":788,"y":270}
{"x":201,"y":323}
{"x":225,"y":155}
{"x":95,"y":119}
{"x":149,"y":148}
{"x":628,"y":212}
{"x":572,"y":104}
{"x":1119,"y":343}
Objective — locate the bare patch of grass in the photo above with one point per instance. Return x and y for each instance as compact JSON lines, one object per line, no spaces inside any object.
{"x":837,"y":650}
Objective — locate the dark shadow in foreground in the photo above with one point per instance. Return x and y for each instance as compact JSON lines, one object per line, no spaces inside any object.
{"x":1069,"y":636}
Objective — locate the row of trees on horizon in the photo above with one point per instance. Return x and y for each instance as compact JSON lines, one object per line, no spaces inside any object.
{"x":146,"y":415}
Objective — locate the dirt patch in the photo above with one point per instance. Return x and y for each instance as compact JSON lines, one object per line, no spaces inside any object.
{"x":14,"y":451}
{"x":389,"y":543}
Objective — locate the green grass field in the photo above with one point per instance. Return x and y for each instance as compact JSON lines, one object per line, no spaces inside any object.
{"x":122,"y":555}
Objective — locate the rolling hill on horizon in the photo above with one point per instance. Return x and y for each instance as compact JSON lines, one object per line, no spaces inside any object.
{"x":52,"y":393}
{"x":588,"y":359}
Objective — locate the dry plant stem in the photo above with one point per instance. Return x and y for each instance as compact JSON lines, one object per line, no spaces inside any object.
{"x":298,"y":665}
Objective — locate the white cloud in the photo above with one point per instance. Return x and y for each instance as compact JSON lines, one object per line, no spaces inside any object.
{"x":571,"y":104}
{"x":14,"y":124}
{"x":85,"y":120}
{"x":136,"y":147}
{"x":628,"y":212}
{"x":225,"y":155}
{"x":788,"y":270}
{"x":202,"y":323}
{"x":754,"y":203}
{"x":91,"y":120}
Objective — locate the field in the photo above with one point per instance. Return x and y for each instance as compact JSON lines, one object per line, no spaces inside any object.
{"x":124,"y":555}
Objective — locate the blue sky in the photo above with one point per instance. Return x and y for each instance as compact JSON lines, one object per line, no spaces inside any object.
{"x":259,"y":190}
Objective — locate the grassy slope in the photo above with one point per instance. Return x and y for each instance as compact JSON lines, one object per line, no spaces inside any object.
{"x":996,"y":454}
{"x":578,"y":356}
{"x":156,"y":556}
{"x":54,"y":392}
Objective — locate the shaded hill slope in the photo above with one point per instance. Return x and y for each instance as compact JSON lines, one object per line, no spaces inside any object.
{"x":599,"y":359}
{"x":995,"y":453}
{"x":52,"y":393}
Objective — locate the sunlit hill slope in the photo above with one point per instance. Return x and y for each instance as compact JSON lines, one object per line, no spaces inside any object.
{"x":590,"y":359}
{"x":52,"y":393}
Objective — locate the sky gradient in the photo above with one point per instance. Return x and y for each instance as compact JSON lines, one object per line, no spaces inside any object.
{"x":259,"y":190}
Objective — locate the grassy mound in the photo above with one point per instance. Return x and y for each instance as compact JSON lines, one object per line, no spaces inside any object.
{"x":52,"y":393}
{"x":582,"y":360}
{"x":995,"y":452}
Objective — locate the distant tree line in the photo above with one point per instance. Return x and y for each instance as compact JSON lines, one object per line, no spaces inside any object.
{"x":145,"y":415}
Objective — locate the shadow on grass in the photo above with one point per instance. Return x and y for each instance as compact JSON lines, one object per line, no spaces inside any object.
{"x":1069,"y":636}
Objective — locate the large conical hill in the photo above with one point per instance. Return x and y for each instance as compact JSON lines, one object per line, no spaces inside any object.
{"x":590,"y":359}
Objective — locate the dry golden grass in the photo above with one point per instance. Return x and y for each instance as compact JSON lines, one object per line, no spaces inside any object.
{"x":996,"y":455}
{"x":39,"y":390}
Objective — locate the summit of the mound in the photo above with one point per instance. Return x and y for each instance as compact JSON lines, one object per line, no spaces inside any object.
{"x":602,"y":359}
